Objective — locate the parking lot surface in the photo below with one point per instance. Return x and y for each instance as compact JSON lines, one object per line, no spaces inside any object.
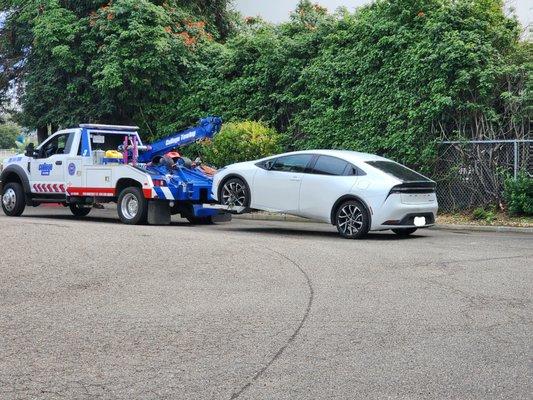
{"x":93,"y":309}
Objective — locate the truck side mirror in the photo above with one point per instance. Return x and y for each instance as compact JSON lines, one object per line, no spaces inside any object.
{"x":30,"y":150}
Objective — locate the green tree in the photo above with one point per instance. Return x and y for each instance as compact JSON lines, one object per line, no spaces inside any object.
{"x":8,"y":135}
{"x":112,"y":61}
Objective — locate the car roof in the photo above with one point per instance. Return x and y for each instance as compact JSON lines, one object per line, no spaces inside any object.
{"x":347,"y":155}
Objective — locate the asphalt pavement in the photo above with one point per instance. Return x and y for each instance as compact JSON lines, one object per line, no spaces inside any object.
{"x":93,"y":309}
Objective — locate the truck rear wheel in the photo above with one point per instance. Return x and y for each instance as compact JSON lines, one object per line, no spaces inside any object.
{"x":79,"y":210}
{"x":13,"y":199}
{"x":132,"y":207}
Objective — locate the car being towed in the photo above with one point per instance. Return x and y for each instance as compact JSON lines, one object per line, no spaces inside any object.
{"x":357,"y":192}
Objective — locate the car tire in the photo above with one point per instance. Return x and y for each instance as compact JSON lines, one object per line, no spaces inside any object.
{"x":13,"y":199}
{"x":78,"y":210}
{"x":235,"y":193}
{"x":200,"y":220}
{"x":132,"y":207}
{"x":352,"y":219}
{"x":404,"y":231}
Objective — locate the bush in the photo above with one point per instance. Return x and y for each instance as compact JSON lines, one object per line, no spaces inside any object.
{"x":241,"y":141}
{"x":481,"y":213}
{"x":518,"y":194}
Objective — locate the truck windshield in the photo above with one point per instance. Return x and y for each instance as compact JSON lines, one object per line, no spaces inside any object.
{"x":398,"y":171}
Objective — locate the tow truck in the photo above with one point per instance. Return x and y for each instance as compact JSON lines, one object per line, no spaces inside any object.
{"x":83,"y":167}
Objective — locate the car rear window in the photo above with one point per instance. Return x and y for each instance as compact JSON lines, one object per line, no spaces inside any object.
{"x":398,"y":171}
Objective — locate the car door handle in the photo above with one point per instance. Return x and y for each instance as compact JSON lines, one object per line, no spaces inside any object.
{"x":295,"y":178}
{"x":59,"y":162}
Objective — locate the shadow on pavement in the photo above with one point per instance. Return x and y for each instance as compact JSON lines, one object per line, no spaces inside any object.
{"x":309,"y":233}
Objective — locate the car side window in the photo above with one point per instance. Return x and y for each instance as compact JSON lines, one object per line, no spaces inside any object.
{"x":328,"y":165}
{"x":292,"y":163}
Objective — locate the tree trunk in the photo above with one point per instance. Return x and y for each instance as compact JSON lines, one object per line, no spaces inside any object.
{"x":42,"y":134}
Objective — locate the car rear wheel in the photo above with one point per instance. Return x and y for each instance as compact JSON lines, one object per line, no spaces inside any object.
{"x":404,"y":231}
{"x":235,"y":193}
{"x":78,"y":210}
{"x":352,"y":219}
{"x":13,"y":199}
{"x":132,"y":206}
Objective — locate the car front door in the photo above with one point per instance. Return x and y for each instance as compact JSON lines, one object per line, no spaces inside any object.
{"x":47,"y":172}
{"x":276,"y":185}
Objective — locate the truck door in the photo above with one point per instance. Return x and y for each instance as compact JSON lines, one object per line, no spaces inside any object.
{"x":47,"y":171}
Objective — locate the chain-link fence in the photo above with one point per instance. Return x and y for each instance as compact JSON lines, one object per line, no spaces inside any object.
{"x":472,"y":173}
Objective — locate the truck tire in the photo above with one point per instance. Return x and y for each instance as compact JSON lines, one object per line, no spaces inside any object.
{"x":13,"y":199}
{"x":132,"y":207}
{"x":78,"y":210}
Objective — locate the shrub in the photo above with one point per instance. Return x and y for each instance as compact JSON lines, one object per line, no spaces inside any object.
{"x":241,"y":141}
{"x":481,"y":213}
{"x":518,"y":194}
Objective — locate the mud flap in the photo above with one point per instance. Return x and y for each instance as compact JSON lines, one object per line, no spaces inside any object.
{"x":158,"y":212}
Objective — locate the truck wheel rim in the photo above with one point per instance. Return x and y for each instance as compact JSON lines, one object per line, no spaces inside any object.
{"x":9,"y":199}
{"x":350,"y":219}
{"x":130,"y":206}
{"x":234,"y":194}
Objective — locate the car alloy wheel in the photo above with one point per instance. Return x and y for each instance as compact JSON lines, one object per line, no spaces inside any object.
{"x":234,"y":193}
{"x":352,"y":219}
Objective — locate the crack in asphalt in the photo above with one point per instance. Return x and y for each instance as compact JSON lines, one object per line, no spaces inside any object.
{"x":291,"y":339}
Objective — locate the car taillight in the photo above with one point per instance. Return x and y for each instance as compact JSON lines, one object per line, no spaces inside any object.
{"x":159,"y":182}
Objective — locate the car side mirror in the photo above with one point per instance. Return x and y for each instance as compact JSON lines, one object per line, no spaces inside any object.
{"x":269,"y":165}
{"x":30,"y":150}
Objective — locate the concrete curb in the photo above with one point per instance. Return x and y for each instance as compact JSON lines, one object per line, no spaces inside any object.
{"x":480,"y":228}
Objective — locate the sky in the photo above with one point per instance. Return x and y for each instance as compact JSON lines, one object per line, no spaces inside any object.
{"x":279,"y":10}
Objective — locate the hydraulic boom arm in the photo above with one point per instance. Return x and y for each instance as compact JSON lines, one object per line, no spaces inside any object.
{"x":206,"y":129}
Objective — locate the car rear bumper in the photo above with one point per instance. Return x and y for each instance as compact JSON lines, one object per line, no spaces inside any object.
{"x":395,"y":214}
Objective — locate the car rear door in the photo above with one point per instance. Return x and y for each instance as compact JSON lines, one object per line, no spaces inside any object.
{"x":329,"y":178}
{"x":278,"y":188}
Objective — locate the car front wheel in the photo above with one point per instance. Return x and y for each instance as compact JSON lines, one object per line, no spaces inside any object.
{"x":13,"y":200}
{"x":352,"y":220}
{"x":235,"y":193}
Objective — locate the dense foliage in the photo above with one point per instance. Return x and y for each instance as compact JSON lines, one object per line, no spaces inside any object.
{"x":518,"y":195}
{"x":391,"y":78}
{"x":241,"y":141}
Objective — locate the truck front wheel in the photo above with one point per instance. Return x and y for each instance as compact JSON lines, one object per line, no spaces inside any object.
{"x":132,"y":206}
{"x":13,"y":199}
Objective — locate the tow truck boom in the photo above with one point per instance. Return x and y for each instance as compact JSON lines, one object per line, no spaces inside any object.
{"x":205,"y":129}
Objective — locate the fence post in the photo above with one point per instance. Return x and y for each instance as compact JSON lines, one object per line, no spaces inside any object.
{"x":515,"y":143}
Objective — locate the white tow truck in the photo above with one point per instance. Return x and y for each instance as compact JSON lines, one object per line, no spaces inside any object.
{"x":94,"y":164}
